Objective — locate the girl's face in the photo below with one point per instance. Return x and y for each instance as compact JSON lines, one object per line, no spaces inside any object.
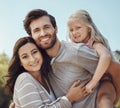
{"x":78,"y":31}
{"x":30,"y":58}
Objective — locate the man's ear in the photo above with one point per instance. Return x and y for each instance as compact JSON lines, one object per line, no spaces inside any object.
{"x":56,"y":29}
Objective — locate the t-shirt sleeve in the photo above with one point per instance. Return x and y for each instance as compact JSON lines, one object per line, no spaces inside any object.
{"x":87,"y":58}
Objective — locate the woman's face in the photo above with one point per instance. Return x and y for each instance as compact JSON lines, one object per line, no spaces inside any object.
{"x":78,"y":31}
{"x":30,"y":57}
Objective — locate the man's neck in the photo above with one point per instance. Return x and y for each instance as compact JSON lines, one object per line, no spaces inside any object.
{"x":52,"y":52}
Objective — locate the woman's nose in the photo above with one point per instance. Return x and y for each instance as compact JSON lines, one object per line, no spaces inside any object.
{"x":32,"y":58}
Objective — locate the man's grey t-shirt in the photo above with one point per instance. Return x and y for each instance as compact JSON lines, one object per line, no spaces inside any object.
{"x":74,"y":61}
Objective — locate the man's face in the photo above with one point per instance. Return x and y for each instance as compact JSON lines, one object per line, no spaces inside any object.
{"x":43,"y":32}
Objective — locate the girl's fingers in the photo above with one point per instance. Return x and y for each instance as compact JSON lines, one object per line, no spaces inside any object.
{"x":76,"y":83}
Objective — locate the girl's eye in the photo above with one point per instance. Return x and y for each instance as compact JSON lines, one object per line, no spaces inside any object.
{"x":71,"y":30}
{"x":78,"y":27}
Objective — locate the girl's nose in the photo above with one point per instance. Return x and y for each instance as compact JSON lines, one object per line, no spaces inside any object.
{"x":74,"y":33}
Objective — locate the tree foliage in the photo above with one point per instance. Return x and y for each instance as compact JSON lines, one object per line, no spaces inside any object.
{"x":3,"y":66}
{"x":4,"y":98}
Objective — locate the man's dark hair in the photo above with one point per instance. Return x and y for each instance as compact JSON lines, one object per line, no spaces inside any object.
{"x":35,"y":14}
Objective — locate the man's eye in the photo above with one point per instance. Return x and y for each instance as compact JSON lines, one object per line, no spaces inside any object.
{"x":36,"y":30}
{"x":47,"y":26}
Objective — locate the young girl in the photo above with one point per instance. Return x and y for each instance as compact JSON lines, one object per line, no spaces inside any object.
{"x":28,"y":79}
{"x":83,"y":30}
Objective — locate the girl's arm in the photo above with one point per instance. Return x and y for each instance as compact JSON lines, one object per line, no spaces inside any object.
{"x":103,"y":64}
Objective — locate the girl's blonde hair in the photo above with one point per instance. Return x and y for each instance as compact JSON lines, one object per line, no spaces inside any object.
{"x":84,"y":16}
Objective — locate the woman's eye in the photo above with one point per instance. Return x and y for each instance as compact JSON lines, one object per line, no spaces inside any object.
{"x":24,"y":57}
{"x":34,"y":52}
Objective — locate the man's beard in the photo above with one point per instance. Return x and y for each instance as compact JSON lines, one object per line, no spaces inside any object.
{"x":54,"y":40}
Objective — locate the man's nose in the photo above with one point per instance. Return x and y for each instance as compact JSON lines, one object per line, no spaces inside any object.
{"x":42,"y":33}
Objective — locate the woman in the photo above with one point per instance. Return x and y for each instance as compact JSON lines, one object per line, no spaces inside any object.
{"x":28,"y":79}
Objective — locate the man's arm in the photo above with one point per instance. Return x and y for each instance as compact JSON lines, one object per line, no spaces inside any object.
{"x":114,"y":70}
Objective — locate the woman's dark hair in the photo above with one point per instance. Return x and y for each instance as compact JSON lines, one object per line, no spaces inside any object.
{"x":35,"y":14}
{"x":15,"y":68}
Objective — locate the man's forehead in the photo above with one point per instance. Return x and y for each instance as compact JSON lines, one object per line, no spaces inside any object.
{"x":44,"y":20}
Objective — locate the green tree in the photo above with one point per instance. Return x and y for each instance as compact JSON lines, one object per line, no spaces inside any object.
{"x":4,"y":98}
{"x":3,"y":66}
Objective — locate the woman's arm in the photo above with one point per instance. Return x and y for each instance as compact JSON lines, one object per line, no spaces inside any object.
{"x":30,"y":97}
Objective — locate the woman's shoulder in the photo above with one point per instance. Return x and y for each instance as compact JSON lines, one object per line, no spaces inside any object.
{"x":23,"y":78}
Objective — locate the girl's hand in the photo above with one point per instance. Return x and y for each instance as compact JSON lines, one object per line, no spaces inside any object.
{"x":90,"y":87}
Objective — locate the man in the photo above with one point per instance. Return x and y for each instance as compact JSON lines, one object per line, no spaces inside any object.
{"x":69,"y":61}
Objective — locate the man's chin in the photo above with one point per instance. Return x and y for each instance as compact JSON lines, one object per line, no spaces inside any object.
{"x":46,"y":47}
{"x":49,"y":45}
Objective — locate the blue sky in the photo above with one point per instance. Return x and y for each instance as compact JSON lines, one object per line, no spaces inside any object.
{"x":105,"y":14}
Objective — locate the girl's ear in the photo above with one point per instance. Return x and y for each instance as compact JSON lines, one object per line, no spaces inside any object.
{"x":89,"y":29}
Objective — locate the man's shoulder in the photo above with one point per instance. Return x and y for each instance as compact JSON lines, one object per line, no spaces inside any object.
{"x":68,"y":44}
{"x":77,"y":47}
